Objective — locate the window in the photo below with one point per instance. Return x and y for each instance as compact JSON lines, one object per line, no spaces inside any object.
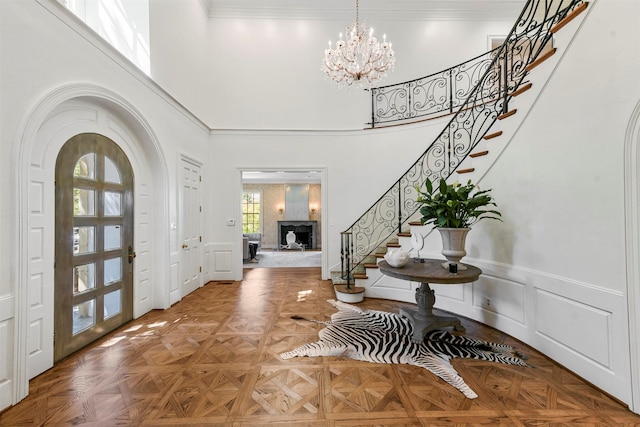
{"x":122,"y":23}
{"x":251,"y":212}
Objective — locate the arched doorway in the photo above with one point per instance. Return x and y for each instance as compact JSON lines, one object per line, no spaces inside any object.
{"x":632,"y":219}
{"x":94,"y":242}
{"x":64,"y":113}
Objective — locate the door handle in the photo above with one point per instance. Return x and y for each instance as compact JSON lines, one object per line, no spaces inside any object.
{"x":185,"y":246}
{"x":131,"y":254}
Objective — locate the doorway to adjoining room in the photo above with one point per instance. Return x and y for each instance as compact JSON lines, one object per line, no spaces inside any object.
{"x":281,"y":218}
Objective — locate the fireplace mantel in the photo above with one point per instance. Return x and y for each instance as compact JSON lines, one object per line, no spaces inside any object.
{"x":303,"y":229}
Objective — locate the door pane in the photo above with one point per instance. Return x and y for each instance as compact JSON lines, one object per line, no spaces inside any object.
{"x":86,"y":167}
{"x":112,"y":304}
{"x":84,"y":202}
{"x":84,"y":316}
{"x":112,"y":237}
{"x":84,"y":240}
{"x":84,"y":278}
{"x":112,"y":271}
{"x":111,"y":172}
{"x":112,"y":203}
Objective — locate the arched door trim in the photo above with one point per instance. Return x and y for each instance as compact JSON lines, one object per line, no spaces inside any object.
{"x":632,"y":220}
{"x":145,"y":154}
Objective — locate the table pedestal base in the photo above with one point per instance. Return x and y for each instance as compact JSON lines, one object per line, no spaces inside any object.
{"x":423,"y":319}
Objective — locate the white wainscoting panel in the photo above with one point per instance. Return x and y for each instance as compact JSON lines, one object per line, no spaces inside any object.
{"x":222,"y":258}
{"x":206,"y":268}
{"x":580,"y":327}
{"x":377,"y":285}
{"x":453,"y":292}
{"x":174,"y":291}
{"x":36,"y":197}
{"x":143,"y":238}
{"x":7,"y":341}
{"x":222,"y":261}
{"x":501,"y":296}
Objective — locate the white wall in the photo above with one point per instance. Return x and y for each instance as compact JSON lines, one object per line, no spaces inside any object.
{"x":561,"y":189}
{"x":265,"y":73}
{"x":348,"y":157}
{"x":57,"y":79}
{"x":179,"y":31}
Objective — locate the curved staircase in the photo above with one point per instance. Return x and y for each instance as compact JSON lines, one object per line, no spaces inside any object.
{"x":466,"y":148}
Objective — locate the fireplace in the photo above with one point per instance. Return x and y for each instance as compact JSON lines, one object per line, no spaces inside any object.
{"x":305,"y":232}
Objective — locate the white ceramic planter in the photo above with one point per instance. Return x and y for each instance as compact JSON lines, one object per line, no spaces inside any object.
{"x":353,"y":295}
{"x":453,"y":243}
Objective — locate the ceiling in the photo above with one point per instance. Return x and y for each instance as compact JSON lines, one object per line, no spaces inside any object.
{"x":373,"y":9}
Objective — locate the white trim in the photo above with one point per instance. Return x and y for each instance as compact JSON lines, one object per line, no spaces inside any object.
{"x":632,"y":220}
{"x":371,"y":11}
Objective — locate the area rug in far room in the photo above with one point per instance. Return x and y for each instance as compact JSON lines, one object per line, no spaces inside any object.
{"x":286,"y":258}
{"x":382,"y":337}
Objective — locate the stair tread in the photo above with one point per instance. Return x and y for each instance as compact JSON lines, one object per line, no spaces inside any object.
{"x":493,"y":135}
{"x":468,"y":170}
{"x":479,"y":153}
{"x":577,"y":11}
{"x":541,"y":59}
{"x":522,"y":89}
{"x":507,"y":114}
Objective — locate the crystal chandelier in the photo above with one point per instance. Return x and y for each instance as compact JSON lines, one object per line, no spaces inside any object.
{"x":360,"y":58}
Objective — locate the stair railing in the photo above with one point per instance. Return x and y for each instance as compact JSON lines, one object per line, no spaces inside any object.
{"x":486,"y":101}
{"x":431,"y":96}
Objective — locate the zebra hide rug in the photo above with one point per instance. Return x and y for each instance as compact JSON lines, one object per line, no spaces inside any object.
{"x":382,"y":337}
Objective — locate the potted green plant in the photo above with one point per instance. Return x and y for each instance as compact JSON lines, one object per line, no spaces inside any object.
{"x":453,"y":209}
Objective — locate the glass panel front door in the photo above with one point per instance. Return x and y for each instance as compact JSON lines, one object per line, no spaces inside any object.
{"x":94,"y":234}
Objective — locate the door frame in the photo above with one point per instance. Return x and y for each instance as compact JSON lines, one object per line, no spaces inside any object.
{"x":183,"y":158}
{"x":324,"y":220}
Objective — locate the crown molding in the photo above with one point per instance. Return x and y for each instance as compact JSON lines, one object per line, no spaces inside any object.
{"x":407,"y":10}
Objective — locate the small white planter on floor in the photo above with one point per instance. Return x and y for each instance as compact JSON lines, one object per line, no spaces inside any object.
{"x":353,"y":295}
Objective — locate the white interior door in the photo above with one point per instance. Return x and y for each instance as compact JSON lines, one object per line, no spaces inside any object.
{"x":191,"y":227}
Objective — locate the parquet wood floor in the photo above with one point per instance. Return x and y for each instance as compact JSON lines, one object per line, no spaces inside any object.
{"x":212,"y":360}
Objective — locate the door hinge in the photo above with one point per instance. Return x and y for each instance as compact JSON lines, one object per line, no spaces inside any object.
{"x":200,"y":178}
{"x":200,"y":269}
{"x":200,"y":239}
{"x":200,"y":208}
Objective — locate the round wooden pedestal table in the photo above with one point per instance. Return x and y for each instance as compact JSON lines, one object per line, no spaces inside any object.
{"x":428,"y":271}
